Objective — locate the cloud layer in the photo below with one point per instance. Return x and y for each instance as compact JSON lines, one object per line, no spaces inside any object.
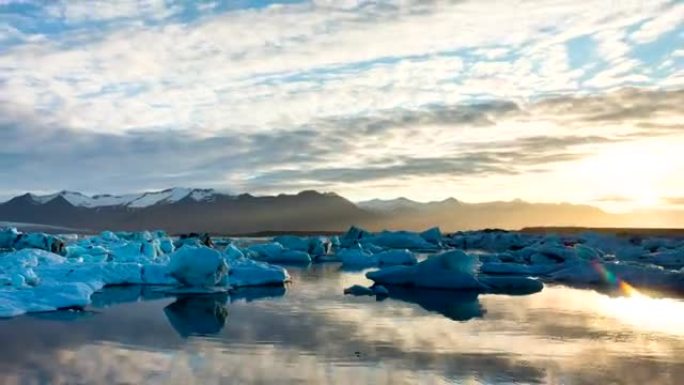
{"x":366,"y":98}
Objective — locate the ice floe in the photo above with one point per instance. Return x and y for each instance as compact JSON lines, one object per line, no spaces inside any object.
{"x":42,"y":272}
{"x":36,"y":280}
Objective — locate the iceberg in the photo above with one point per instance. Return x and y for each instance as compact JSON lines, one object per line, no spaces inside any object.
{"x":432,"y":235}
{"x":11,"y":238}
{"x":275,"y":253}
{"x":247,"y":272}
{"x":511,"y":285}
{"x":398,"y":240}
{"x":357,"y":257}
{"x":315,"y":246}
{"x":197,"y":266}
{"x":449,"y":270}
{"x":358,"y":290}
{"x":396,"y":257}
{"x":37,"y":280}
{"x":612,"y":274}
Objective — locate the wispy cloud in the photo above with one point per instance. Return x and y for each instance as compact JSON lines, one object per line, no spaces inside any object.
{"x":275,"y":95}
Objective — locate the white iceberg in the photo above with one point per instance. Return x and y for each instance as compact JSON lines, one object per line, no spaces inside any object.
{"x":197,"y":266}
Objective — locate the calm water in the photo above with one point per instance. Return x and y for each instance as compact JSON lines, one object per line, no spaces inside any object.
{"x":312,"y":334}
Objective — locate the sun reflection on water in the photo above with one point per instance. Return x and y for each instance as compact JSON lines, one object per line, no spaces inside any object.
{"x":661,"y":315}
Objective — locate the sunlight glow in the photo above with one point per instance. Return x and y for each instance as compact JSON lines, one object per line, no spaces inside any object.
{"x":635,"y":171}
{"x":661,"y":315}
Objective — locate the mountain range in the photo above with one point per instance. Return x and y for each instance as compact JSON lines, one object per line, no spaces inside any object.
{"x":179,"y":210}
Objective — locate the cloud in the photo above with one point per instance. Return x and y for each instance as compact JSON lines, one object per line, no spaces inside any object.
{"x":652,"y":29}
{"x":263,"y":97}
{"x":441,"y":141}
{"x":613,"y":199}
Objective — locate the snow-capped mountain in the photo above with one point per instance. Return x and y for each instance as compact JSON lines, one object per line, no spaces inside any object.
{"x":180,"y":210}
{"x":141,"y":200}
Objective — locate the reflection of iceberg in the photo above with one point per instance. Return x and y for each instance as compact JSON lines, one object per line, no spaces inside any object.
{"x":114,"y":295}
{"x":458,"y":306}
{"x":249,"y":294}
{"x":198,"y":314}
{"x":71,"y":315}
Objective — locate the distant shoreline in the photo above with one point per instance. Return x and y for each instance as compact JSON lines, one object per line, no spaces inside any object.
{"x":625,"y":231}
{"x":620,"y":231}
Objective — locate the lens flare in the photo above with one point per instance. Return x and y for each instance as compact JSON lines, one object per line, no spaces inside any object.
{"x":615,"y":281}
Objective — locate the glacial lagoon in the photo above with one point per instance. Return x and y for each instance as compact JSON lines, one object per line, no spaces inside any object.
{"x":310,"y":333}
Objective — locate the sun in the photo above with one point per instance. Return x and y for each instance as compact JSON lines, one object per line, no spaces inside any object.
{"x":636,"y":172}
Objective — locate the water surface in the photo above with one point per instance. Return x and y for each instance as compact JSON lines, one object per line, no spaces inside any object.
{"x":310,"y":333}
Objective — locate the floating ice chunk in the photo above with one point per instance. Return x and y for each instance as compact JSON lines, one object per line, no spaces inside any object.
{"x":275,"y":252}
{"x":453,"y":260}
{"x":194,"y":239}
{"x":491,"y":240}
{"x":293,"y":256}
{"x":156,"y":274}
{"x":314,"y":246}
{"x":398,"y":240}
{"x":396,"y":257}
{"x":357,"y":257}
{"x":544,"y":259}
{"x":7,"y":237}
{"x":611,"y":273}
{"x":266,"y":251}
{"x":432,"y":235}
{"x":352,"y":236}
{"x":232,"y":252}
{"x":166,"y":246}
{"x":449,"y":270}
{"x":371,"y":248}
{"x":506,"y":268}
{"x":128,"y":252}
{"x":293,"y":242}
{"x":670,"y":259}
{"x":247,"y":272}
{"x":97,"y":275}
{"x":359,"y":290}
{"x":109,"y":236}
{"x":39,"y":241}
{"x":31,"y":258}
{"x":15,"y":302}
{"x":380,"y":290}
{"x":511,"y":285}
{"x":197,"y":266}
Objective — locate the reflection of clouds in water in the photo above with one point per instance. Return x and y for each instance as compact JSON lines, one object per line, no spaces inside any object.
{"x":310,"y":336}
{"x":203,"y":362}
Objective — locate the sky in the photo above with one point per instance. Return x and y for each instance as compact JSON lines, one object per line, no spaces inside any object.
{"x":545,"y":101}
